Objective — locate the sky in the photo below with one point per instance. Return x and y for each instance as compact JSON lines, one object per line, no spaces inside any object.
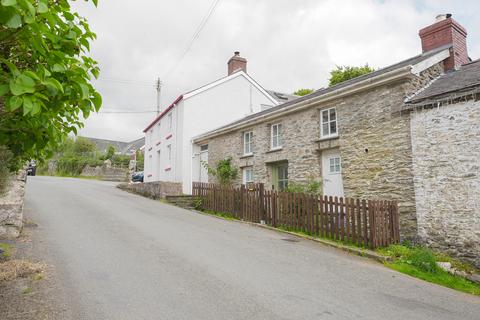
{"x":288,"y":45}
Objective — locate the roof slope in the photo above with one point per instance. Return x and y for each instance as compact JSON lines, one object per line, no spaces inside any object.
{"x":282,"y":97}
{"x":408,"y":62}
{"x":463,"y":79}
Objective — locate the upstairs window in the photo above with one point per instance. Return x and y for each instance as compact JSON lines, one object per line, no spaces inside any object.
{"x":247,"y":143}
{"x":276,"y":134}
{"x":170,"y":121}
{"x":328,"y":120}
{"x":169,"y":152}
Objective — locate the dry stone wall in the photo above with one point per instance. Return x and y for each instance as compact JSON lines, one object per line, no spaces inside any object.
{"x":11,"y":208}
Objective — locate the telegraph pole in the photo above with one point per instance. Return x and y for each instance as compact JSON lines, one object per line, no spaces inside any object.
{"x":159,"y":90}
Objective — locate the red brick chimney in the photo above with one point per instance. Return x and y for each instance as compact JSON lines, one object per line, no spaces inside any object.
{"x":445,"y":31}
{"x":237,"y":63}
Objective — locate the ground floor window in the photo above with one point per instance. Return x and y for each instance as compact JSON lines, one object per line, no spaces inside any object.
{"x":280,"y":176}
{"x":247,"y":175}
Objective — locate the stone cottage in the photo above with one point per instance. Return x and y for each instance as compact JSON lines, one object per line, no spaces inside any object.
{"x":354,"y":137}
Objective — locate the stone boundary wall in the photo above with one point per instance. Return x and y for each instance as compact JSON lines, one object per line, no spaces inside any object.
{"x":446,"y":165}
{"x":11,"y":208}
{"x":154,"y":190}
{"x":107,"y":173}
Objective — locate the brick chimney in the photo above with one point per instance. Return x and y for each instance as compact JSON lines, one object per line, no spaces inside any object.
{"x":237,"y":63}
{"x":445,"y":31}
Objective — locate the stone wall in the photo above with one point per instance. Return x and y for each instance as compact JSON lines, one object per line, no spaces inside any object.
{"x":154,"y":190}
{"x":11,"y":208}
{"x":106,"y":173}
{"x":446,"y":163}
{"x":374,"y":142}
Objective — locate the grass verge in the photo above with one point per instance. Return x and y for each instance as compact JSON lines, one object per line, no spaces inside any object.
{"x":14,"y":269}
{"x":421,"y":262}
{"x":7,"y":250}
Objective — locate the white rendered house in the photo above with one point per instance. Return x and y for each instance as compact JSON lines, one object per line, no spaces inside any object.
{"x":169,"y":152}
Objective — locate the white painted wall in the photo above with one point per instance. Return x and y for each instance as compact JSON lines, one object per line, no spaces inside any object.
{"x":196,"y":114}
{"x":446,"y":166}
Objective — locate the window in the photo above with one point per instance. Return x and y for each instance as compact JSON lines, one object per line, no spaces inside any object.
{"x":328,"y":123}
{"x":247,"y":175}
{"x":247,"y":142}
{"x":276,"y":133}
{"x":170,"y":120}
{"x":204,"y":147}
{"x":335,"y":166}
{"x":282,"y":177}
{"x":169,"y":152}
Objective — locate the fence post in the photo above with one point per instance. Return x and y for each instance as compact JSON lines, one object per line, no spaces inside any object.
{"x":261,"y":199}
{"x":371,"y":223}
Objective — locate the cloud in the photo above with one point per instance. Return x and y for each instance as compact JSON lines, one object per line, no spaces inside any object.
{"x":288,"y":44}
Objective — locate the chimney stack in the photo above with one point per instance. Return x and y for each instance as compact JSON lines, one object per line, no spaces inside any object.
{"x":446,"y":31}
{"x":237,"y":63}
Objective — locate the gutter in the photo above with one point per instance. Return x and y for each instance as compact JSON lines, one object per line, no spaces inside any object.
{"x":382,"y":79}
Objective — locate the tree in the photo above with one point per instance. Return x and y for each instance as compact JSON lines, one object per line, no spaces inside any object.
{"x":45,"y":88}
{"x":345,"y":73}
{"x":303,"y":92}
{"x":110,"y":152}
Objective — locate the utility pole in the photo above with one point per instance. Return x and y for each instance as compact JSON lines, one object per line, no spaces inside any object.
{"x":159,"y":90}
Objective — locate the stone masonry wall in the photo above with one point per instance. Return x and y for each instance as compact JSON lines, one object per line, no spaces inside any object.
{"x":446,"y":163}
{"x":374,"y":142}
{"x":11,"y":208}
{"x":154,"y":190}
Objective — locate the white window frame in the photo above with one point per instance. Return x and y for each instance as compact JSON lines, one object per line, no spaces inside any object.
{"x":246,"y":179}
{"x":247,"y":151}
{"x":170,"y":120}
{"x":169,"y":149}
{"x":328,"y":123}
{"x":336,"y":164}
{"x":278,"y":136}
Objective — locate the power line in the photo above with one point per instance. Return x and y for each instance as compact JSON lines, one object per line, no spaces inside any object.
{"x":194,"y":37}
{"x":128,"y":82}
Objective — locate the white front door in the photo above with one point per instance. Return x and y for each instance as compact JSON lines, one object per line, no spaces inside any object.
{"x":203,"y":170}
{"x":332,"y":173}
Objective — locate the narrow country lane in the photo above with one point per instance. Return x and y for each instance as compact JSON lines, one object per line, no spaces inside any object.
{"x":120,"y":256}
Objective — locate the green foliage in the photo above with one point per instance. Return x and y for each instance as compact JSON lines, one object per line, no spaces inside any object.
{"x":198,"y":204}
{"x":341,"y":74}
{"x":120,"y":160}
{"x":303,"y":92}
{"x":140,"y":160}
{"x":73,"y":165}
{"x":420,"y":262}
{"x":7,"y":249}
{"x":110,"y":152}
{"x":6,"y":166}
{"x":45,"y":87}
{"x":83,"y":146}
{"x":312,"y":187}
{"x":225,"y":171}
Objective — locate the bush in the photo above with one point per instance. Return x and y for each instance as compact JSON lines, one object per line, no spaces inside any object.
{"x":6,"y":166}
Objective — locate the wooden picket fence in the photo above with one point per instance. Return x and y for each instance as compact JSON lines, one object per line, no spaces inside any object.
{"x":369,"y":223}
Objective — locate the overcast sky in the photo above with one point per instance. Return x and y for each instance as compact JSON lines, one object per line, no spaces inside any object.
{"x":288,"y":45}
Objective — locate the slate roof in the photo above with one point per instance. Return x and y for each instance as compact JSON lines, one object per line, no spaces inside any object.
{"x":282,"y":97}
{"x":466,"y":78}
{"x":408,"y":62}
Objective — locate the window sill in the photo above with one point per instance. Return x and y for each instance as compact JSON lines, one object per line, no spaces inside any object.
{"x":248,"y":155}
{"x":169,"y":136}
{"x":274,"y":150}
{"x":327,"y":138}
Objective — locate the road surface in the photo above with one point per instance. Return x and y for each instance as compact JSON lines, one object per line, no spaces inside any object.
{"x":120,"y":256}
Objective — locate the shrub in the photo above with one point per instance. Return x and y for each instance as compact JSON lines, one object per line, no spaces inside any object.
{"x":225,"y":171}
